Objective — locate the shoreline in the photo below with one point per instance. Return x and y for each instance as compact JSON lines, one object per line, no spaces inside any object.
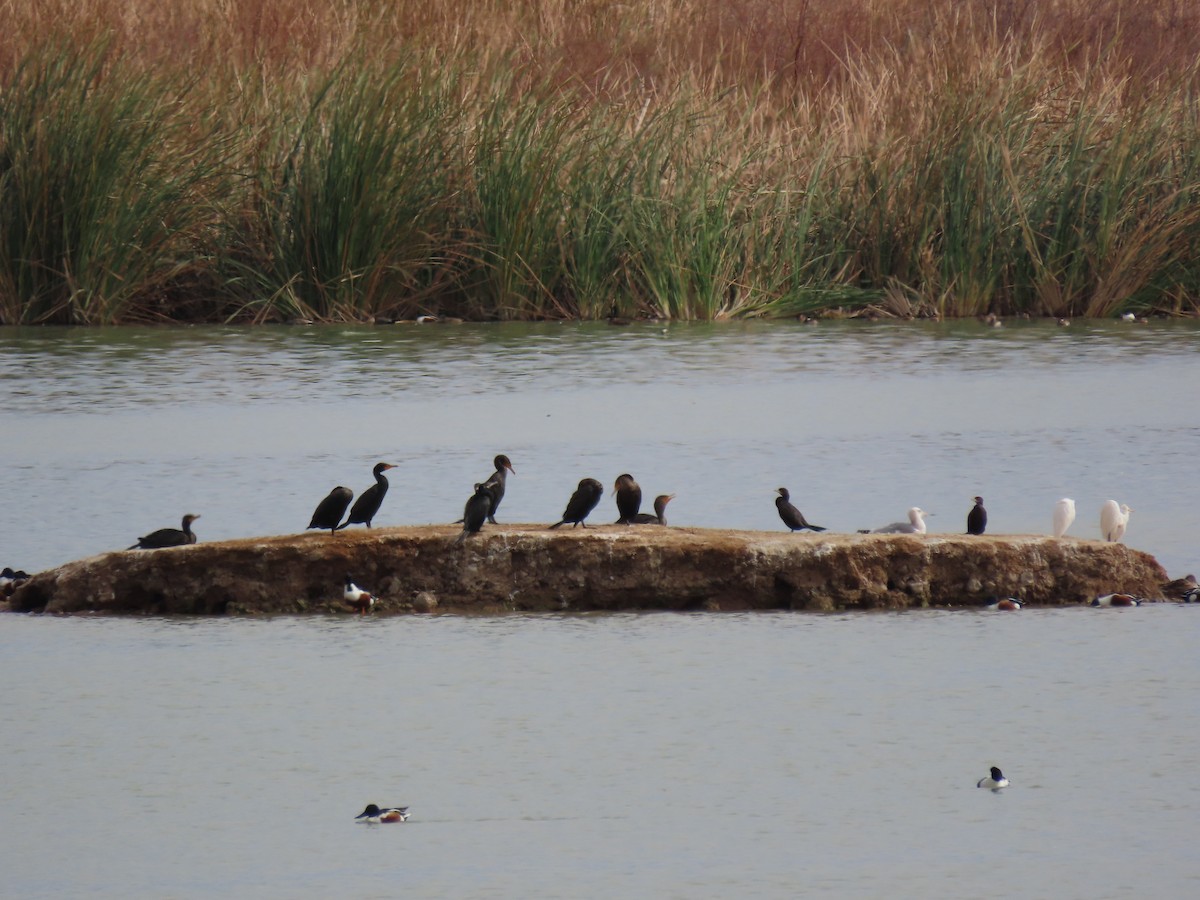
{"x":610,"y":568}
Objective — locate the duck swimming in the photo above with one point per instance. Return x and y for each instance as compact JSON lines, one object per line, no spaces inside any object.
{"x":374,"y":815}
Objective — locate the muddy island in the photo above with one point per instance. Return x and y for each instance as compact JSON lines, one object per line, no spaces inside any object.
{"x":526,"y":568}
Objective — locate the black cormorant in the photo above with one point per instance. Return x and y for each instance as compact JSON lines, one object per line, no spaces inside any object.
{"x":792,"y":517}
{"x":659,"y":516}
{"x":475,"y":513}
{"x":629,"y":498}
{"x":582,"y":502}
{"x":367,"y":505}
{"x":168,"y":537}
{"x":977,"y":518}
{"x":496,"y":482}
{"x":329,"y":511}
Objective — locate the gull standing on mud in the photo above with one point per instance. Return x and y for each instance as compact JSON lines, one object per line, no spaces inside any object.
{"x":1064,"y":515}
{"x":914,"y":525}
{"x":791,"y":516}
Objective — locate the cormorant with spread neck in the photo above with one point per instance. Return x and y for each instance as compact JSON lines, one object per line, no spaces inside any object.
{"x":369,"y":501}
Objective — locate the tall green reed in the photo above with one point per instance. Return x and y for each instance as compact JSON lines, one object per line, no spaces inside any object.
{"x":102,"y":193}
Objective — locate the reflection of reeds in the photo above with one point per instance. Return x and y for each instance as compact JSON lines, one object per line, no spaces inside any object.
{"x":676,"y":158}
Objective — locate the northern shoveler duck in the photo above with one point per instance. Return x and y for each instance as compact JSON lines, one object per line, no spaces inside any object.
{"x":1005,"y":603}
{"x":373,"y":815}
{"x":994,"y":781}
{"x":1180,"y":588}
{"x":10,"y":580}
{"x":1117,"y":600}
{"x":357,"y":598}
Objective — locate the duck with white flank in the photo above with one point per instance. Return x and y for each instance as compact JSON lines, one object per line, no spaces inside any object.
{"x":475,"y":513}
{"x":375,"y":815}
{"x":659,"y":516}
{"x":329,"y":511}
{"x":368,"y":503}
{"x":1114,"y":519}
{"x":1117,"y":600}
{"x":914,"y":525}
{"x":586,"y":497}
{"x":994,"y":781}
{"x":1064,"y":515}
{"x":792,"y":517}
{"x":977,"y":518}
{"x":496,"y":483}
{"x":1180,"y":588}
{"x":1004,"y":603}
{"x":168,"y":537}
{"x":629,"y":498}
{"x":357,"y":599}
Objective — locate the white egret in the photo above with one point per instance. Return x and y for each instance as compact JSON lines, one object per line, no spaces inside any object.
{"x":914,"y":525}
{"x":1114,"y":518}
{"x":1064,"y":515}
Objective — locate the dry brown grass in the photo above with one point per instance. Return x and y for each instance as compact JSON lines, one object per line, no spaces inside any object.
{"x":791,"y":48}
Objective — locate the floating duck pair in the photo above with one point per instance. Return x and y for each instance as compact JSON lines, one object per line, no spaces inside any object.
{"x":375,"y":815}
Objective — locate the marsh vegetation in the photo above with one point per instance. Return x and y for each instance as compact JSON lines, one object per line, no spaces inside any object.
{"x":274,"y":160}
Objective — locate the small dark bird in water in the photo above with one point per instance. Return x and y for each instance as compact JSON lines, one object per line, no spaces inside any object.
{"x":476,"y":511}
{"x":629,"y":498}
{"x":496,"y":481}
{"x":357,"y":598}
{"x":367,"y":505}
{"x":792,"y":517}
{"x":582,"y":502}
{"x":659,"y":517}
{"x":977,"y":518}
{"x":329,"y":511}
{"x":168,"y":537}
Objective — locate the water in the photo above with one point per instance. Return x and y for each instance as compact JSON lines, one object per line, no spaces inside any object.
{"x":113,"y":433}
{"x":765,"y":755}
{"x":643,"y":756}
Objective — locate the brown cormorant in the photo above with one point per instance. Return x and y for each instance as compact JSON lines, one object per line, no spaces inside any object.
{"x":475,"y":513}
{"x":977,"y":518}
{"x":168,"y":537}
{"x":792,"y":517}
{"x":496,"y":482}
{"x":629,"y":498}
{"x":369,"y":501}
{"x":329,"y":511}
{"x":582,"y":502}
{"x":659,"y":516}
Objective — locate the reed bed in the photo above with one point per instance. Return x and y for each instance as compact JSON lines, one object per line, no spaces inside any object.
{"x":272,"y":160}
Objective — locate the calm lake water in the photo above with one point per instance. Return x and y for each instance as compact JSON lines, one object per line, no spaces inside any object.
{"x":640,"y":756}
{"x":767,"y":755}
